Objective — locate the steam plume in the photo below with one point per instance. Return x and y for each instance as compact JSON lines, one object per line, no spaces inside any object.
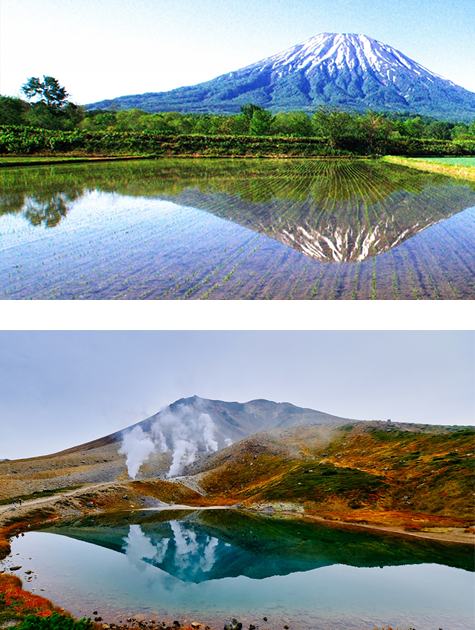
{"x":137,"y":446}
{"x":184,"y":431}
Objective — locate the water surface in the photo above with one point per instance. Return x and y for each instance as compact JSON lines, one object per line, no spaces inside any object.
{"x":235,"y":229}
{"x":211,"y":565}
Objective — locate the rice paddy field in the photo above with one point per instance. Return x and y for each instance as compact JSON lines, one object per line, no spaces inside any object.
{"x":235,"y":229}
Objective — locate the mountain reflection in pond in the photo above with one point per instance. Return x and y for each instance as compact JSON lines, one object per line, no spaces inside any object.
{"x":210,"y":545}
{"x":211,"y":565}
{"x":292,"y":229}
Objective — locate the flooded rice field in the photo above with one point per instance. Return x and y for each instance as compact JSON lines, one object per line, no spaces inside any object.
{"x":210,"y":566}
{"x":235,"y":229}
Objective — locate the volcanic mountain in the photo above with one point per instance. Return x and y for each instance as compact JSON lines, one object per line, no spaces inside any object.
{"x":230,"y":421}
{"x":282,"y":457}
{"x":186,"y":434}
{"x":343,"y":70}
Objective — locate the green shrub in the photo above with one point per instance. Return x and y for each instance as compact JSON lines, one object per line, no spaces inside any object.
{"x":55,"y":622}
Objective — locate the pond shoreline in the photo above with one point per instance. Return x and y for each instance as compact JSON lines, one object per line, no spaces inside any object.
{"x":449,"y":536}
{"x":457,"y":536}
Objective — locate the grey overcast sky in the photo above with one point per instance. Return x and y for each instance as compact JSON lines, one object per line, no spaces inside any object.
{"x":102,"y":49}
{"x":60,"y":388}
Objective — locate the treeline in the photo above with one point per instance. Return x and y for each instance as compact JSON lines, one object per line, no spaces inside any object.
{"x":19,"y":140}
{"x":48,"y":122}
{"x":256,"y":121}
{"x":53,"y":111}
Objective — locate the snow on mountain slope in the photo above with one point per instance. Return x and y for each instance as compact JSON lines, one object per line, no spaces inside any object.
{"x":339,"y":52}
{"x":340,"y":70}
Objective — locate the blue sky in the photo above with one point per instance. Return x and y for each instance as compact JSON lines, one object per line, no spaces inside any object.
{"x":61,"y":388}
{"x":106,"y":48}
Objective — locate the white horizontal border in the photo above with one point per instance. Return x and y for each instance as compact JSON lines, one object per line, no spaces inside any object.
{"x":237,"y":315}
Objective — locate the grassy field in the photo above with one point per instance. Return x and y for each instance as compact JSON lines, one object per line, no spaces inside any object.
{"x":456,"y":161}
{"x":460,"y":167}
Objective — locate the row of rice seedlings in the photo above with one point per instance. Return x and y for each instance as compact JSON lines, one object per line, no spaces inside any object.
{"x":279,"y":183}
{"x":225,"y":286}
{"x":218,"y":265}
{"x":261,"y":276}
{"x":227,"y":277}
{"x":84,"y":253}
{"x":455,"y":259}
{"x":337,"y":286}
{"x":435,"y":291}
{"x":363,"y":197}
{"x":356,"y":194}
{"x":291,"y":268}
{"x":329,"y":203}
{"x":450,"y":257}
{"x":176,"y":263}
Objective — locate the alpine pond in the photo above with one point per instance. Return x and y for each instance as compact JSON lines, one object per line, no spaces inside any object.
{"x":210,"y":565}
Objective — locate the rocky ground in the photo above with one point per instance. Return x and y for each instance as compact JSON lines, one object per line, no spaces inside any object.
{"x":104,"y":464}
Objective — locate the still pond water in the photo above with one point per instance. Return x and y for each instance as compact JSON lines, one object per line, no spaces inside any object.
{"x":211,"y":565}
{"x":235,"y":229}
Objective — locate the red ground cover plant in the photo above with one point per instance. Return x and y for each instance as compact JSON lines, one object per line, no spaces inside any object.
{"x":20,"y":602}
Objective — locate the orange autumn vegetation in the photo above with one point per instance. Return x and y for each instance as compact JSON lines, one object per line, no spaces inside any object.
{"x":366,"y":475}
{"x":21,"y":603}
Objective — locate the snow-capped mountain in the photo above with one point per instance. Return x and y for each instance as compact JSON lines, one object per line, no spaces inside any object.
{"x":345,"y":70}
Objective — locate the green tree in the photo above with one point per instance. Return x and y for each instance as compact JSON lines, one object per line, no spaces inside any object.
{"x":292,"y":124}
{"x":12,"y":111}
{"x":460,"y":131}
{"x":50,"y":108}
{"x":414,"y":128}
{"x":130,"y":120}
{"x":374,"y":127}
{"x":249,"y":109}
{"x":439,"y":130}
{"x":261,"y":123}
{"x":237,"y":125}
{"x":333,"y":124}
{"x":98,"y":120}
{"x":48,"y":91}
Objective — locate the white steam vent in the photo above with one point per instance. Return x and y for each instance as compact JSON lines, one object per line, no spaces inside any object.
{"x":137,"y":446}
{"x":184,"y":431}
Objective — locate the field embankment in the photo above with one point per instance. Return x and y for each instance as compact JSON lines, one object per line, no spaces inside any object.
{"x":27,"y":141}
{"x":461,"y":168}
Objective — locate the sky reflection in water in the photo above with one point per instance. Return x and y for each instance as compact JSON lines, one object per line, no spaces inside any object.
{"x":210,"y":566}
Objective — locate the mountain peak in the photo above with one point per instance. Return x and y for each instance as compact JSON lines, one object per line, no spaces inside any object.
{"x":344,"y":70}
{"x":349,"y":51}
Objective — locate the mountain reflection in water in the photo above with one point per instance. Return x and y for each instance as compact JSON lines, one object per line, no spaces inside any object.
{"x":211,"y":545}
{"x":330,"y":210}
